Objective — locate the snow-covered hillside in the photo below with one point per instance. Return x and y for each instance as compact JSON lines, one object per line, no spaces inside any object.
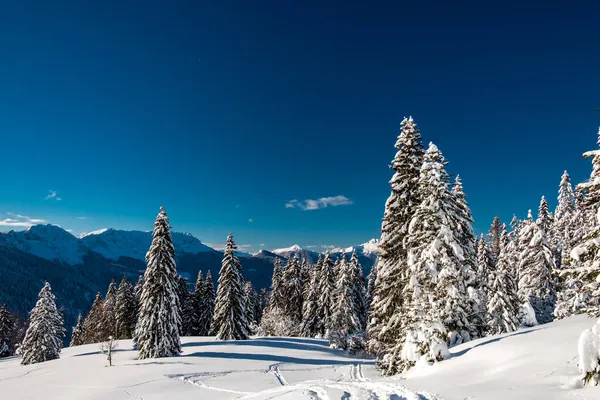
{"x":537,"y":363}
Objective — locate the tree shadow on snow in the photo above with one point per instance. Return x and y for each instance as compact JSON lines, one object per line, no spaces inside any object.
{"x":275,"y":358}
{"x":98,"y":352}
{"x":281,"y":344}
{"x":316,"y":342}
{"x":465,"y":351}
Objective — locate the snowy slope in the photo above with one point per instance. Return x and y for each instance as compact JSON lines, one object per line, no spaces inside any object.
{"x":537,"y":363}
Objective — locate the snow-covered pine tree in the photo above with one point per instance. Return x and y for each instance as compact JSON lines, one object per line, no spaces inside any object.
{"x":263,"y":303}
{"x":387,"y":300}
{"x":326,"y":295}
{"x":535,"y":285}
{"x":44,"y":337}
{"x":305,"y":269}
{"x":197,"y":303}
{"x":137,"y":291}
{"x":466,"y":238}
{"x":159,"y":322}
{"x":92,"y":325}
{"x":7,"y":327}
{"x":108,"y":325}
{"x":503,"y":304}
{"x":360,"y":290}
{"x":229,"y":322}
{"x":251,"y":299}
{"x":480,"y":286}
{"x":125,"y":310}
{"x":346,"y":314}
{"x":292,"y":280}
{"x":312,"y":325}
{"x":544,"y":220}
{"x":494,"y":239}
{"x":276,"y":297}
{"x":77,"y":333}
{"x":208,"y":305}
{"x":185,"y":306}
{"x":371,"y":278}
{"x":563,"y":213}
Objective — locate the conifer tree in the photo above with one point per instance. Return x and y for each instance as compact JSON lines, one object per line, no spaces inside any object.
{"x":371,"y":278}
{"x":92,"y":325}
{"x":263,"y":302}
{"x":494,"y":239}
{"x":359,"y":290}
{"x":544,"y":220}
{"x":77,"y":333}
{"x":326,"y":295}
{"x":312,"y":324}
{"x":208,"y":306}
{"x":251,"y":299}
{"x":292,"y":280}
{"x":563,"y":213}
{"x":44,"y":337}
{"x":503,"y":303}
{"x":276,"y":298}
{"x":305,"y":281}
{"x":159,"y":321}
{"x":7,"y":327}
{"x":108,"y":324}
{"x":185,"y":306}
{"x":485,"y":267}
{"x":387,"y":299}
{"x":346,"y":314}
{"x":229,"y":322}
{"x":197,"y":299}
{"x":125,"y":310}
{"x":536,"y":266}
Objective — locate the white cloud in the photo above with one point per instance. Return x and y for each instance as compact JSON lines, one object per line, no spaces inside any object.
{"x":323,"y":202}
{"x":81,"y":217}
{"x":262,"y":245}
{"x":251,"y":220}
{"x":21,"y":221}
{"x":52,"y":196}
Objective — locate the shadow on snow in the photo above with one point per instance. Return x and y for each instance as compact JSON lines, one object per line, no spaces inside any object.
{"x":275,"y":358}
{"x":518,"y":333}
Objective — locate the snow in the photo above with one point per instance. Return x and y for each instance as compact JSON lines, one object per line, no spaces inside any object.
{"x":98,"y":232}
{"x":292,"y":249}
{"x":534,"y":363}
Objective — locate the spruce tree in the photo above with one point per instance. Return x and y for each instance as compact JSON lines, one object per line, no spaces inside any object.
{"x":494,"y":239}
{"x":44,"y":337}
{"x":346,"y":314}
{"x":92,"y":326}
{"x":480,"y":291}
{"x":544,"y":220}
{"x":276,"y":298}
{"x":371,"y":278}
{"x":125,"y":310}
{"x":77,"y":333}
{"x":159,"y":321}
{"x":312,"y":324}
{"x":503,"y":304}
{"x":292,"y":280}
{"x":388,"y":298}
{"x":359,"y":290}
{"x":208,"y":306}
{"x":563,"y":213}
{"x":108,"y":325}
{"x":229,"y":322}
{"x":250,"y":298}
{"x":197,"y":299}
{"x":263,"y":303}
{"x":185,"y":306}
{"x":7,"y":327}
{"x":535,"y":271}
{"x":305,"y":270}
{"x":326,"y":295}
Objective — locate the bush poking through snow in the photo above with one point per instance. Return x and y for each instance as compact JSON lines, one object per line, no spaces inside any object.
{"x":589,"y":355}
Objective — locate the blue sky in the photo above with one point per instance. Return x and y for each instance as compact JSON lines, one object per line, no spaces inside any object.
{"x":226,"y":111}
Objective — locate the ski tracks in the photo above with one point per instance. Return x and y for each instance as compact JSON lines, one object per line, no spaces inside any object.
{"x":274,"y":369}
{"x":356,"y":374}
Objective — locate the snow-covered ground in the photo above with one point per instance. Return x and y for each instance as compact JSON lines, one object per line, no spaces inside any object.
{"x":537,"y":363}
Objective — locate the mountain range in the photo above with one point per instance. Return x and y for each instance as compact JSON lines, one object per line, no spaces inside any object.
{"x":78,"y":267}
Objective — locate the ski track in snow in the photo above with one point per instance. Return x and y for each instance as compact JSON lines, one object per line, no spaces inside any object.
{"x":356,"y":374}
{"x":274,"y":369}
{"x":189,"y":379}
{"x":132,"y":395}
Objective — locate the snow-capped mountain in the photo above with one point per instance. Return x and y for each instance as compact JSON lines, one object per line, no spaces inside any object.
{"x":50,"y":242}
{"x":368,"y":249}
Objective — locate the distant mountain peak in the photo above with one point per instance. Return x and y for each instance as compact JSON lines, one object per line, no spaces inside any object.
{"x":98,"y":232}
{"x":292,"y":249}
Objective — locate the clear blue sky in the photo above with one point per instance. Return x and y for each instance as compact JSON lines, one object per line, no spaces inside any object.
{"x":226,"y":111}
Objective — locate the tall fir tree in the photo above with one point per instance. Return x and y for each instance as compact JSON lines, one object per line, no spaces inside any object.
{"x":544,"y":220}
{"x":563,"y":214}
{"x":503,"y":303}
{"x":125,"y":310}
{"x":305,"y":269}
{"x":276,"y":297}
{"x":77,"y":333}
{"x":197,"y":299}
{"x":292,"y":281}
{"x":185,"y":306}
{"x":44,"y":337}
{"x":7,"y":327}
{"x":326,"y":295}
{"x":494,"y":239}
{"x":263,"y":303}
{"x":251,"y":299}
{"x":208,"y":305}
{"x":312,"y":324}
{"x":229,"y":322}
{"x":108,"y":325}
{"x":371,"y":278}
{"x":359,"y":290}
{"x":159,"y":321}
{"x":92,"y":325}
{"x":346,"y":313}
{"x":536,"y":290}
{"x":480,"y":294}
{"x":388,"y":292}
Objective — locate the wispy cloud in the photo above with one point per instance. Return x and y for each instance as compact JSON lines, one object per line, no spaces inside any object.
{"x":323,"y":202}
{"x":262,"y":245}
{"x":52,"y":196}
{"x":250,"y":220}
{"x":81,"y":217}
{"x":20,"y":221}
